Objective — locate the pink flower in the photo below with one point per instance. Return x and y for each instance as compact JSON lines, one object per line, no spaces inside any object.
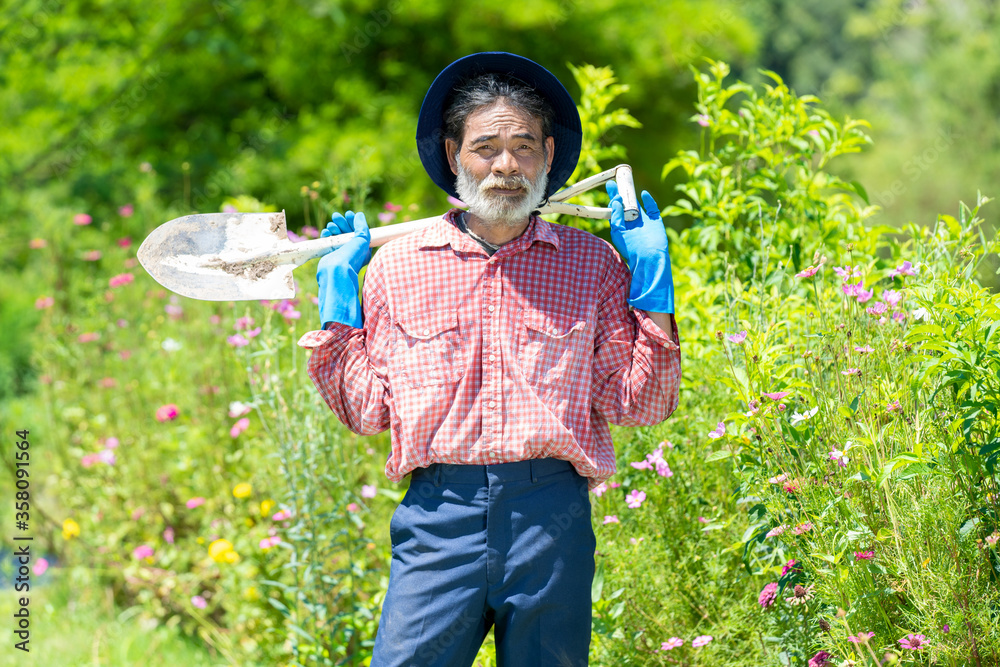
{"x":809,"y":272}
{"x":310,"y":232}
{"x":243,"y":323}
{"x":167,"y":412}
{"x":252,"y":333}
{"x":892,"y":297}
{"x":237,"y":340}
{"x":82,"y":219}
{"x":37,"y":244}
{"x":197,"y":501}
{"x":864,"y":555}
{"x":126,"y":211}
{"x":88,"y":460}
{"x":851,"y":289}
{"x":700,"y":641}
{"x":198,"y":601}
{"x":774,"y":532}
{"x":614,"y":485}
{"x":43,"y":302}
{"x":791,"y":486}
{"x":913,"y":642}
{"x":904,"y":269}
{"x":91,"y":255}
{"x":457,"y":202}
{"x":368,"y":490}
{"x":821,"y":659}
{"x":777,"y":395}
{"x":702,"y":519}
{"x":173,"y":310}
{"x":88,"y":337}
{"x":768,"y":595}
{"x":168,"y":535}
{"x":282,"y":515}
{"x":641,"y":465}
{"x":389,"y":206}
{"x":40,"y":566}
{"x":352,"y":507}
{"x":610,"y":518}
{"x":239,"y":427}
{"x":125,"y":242}
{"x":120,"y":279}
{"x":899,"y":317}
{"x":291,"y":314}
{"x":851,"y":371}
{"x":719,"y":431}
{"x":861,"y":638}
{"x":671,"y":644}
{"x":802,"y":528}
{"x":111,"y":443}
{"x":737,"y":338}
{"x":877,"y":309}
{"x":865,"y":349}
{"x":106,"y":456}
{"x":863,"y":296}
{"x":142,"y":551}
{"x":893,"y":407}
{"x":600,"y":489}
{"x":385,"y":217}
{"x":663,"y":470}
{"x":846,"y":272}
{"x":269,"y":542}
{"x":789,"y":566}
{"x":635,"y":498}
{"x":778,"y":479}
{"x":703,"y":120}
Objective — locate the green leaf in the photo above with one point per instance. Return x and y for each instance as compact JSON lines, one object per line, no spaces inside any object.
{"x":718,"y":456}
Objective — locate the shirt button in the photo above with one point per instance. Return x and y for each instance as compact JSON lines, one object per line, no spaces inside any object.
{"x":493,"y":404}
{"x":553,"y":332}
{"x":492,"y":358}
{"x":493,"y":454}
{"x":491,"y":309}
{"x":427,"y":332}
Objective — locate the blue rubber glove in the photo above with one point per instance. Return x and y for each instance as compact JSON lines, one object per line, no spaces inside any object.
{"x":337,"y":273}
{"x":643,"y":242}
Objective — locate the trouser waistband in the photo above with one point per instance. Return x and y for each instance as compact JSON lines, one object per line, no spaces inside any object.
{"x":515,"y":471}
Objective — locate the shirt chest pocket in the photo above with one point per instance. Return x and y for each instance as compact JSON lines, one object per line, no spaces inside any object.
{"x":554,"y":348}
{"x":427,"y":350}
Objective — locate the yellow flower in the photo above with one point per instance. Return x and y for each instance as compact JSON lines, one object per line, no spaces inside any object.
{"x":222,"y":551}
{"x":70,"y":529}
{"x":242,"y":490}
{"x":266,"y":507}
{"x":251,"y":593}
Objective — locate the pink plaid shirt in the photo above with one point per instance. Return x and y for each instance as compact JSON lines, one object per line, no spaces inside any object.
{"x":473,"y":359}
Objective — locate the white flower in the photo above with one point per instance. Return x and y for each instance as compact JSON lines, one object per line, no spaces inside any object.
{"x":170,"y":345}
{"x":801,"y":417}
{"x":921,"y":314}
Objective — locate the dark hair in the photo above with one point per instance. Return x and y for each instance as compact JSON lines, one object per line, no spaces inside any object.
{"x":485,"y":90}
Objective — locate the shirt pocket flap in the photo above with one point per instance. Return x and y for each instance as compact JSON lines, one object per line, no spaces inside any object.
{"x":553,"y":325}
{"x":427,"y":325}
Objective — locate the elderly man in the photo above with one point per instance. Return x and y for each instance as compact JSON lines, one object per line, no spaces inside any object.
{"x":497,"y":347}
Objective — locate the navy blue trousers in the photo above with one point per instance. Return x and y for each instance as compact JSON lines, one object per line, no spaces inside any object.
{"x":508,"y":546}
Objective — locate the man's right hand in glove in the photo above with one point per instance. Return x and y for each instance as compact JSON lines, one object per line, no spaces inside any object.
{"x":337,"y":273}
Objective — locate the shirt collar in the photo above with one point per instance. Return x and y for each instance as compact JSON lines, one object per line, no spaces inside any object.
{"x":446,"y":232}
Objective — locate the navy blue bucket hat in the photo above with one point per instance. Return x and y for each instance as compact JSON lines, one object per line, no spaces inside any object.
{"x":566,"y":129}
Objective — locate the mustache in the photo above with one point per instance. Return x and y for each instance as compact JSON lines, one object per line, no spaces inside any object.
{"x":508,"y":183}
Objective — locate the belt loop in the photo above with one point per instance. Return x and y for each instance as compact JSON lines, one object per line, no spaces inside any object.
{"x":437,"y":474}
{"x":534,"y":473}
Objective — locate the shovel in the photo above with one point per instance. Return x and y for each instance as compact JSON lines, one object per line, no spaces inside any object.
{"x":248,"y":256}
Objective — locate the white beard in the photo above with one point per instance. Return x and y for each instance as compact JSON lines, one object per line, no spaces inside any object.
{"x":500,"y":210}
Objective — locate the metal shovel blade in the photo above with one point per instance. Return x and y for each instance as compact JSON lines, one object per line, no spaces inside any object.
{"x":221,"y":256}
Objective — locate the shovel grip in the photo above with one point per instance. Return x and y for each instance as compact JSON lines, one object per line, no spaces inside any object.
{"x":626,"y":188}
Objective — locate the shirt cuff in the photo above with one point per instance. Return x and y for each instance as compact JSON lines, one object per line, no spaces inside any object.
{"x":647,"y":326}
{"x":337,"y":333}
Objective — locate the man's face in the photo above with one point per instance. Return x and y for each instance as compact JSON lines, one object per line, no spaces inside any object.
{"x":502,"y":164}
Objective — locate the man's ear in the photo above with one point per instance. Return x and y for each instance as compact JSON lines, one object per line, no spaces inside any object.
{"x":550,"y":148}
{"x":450,"y":148}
